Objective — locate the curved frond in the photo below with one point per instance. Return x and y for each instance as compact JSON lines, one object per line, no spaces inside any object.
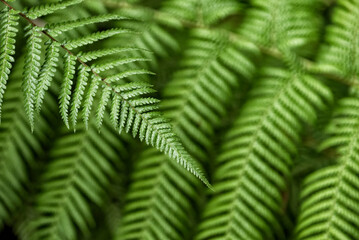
{"x":48,"y":8}
{"x":294,"y":24}
{"x":153,"y":33}
{"x":161,"y":195}
{"x":197,"y":97}
{"x":136,"y":109}
{"x":59,"y":28}
{"x":256,"y":157}
{"x":19,"y":147}
{"x":339,"y":53}
{"x":329,"y":208}
{"x":81,"y":167}
{"x":157,"y":205}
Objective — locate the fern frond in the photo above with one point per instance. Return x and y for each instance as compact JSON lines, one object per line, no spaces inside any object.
{"x":329,"y":208}
{"x":47,"y":73}
{"x":276,"y":23}
{"x":89,"y":39}
{"x":93,"y":55}
{"x":83,"y":75}
{"x":109,"y":65}
{"x":338,"y":54}
{"x":125,"y":74}
{"x":195,"y":100}
{"x":204,"y":12}
{"x":48,"y":8}
{"x":65,"y":92}
{"x":197,"y":97}
{"x":31,"y":70}
{"x":19,"y":147}
{"x":154,"y":32}
{"x":150,"y":125}
{"x":59,"y":28}
{"x":257,"y":154}
{"x":8,"y":21}
{"x":89,"y":98}
{"x":157,"y":203}
{"x":81,"y":168}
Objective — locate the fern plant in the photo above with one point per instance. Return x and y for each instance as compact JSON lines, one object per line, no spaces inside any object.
{"x":179,"y":119}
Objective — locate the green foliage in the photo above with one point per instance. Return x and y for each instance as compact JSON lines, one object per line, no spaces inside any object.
{"x":8,"y":32}
{"x":20,"y":146}
{"x":38,"y":75}
{"x":80,"y":169}
{"x":259,"y":97}
{"x":257,"y":155}
{"x":330,"y":195}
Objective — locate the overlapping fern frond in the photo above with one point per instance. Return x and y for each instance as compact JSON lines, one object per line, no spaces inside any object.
{"x":202,"y":12}
{"x":157,"y":205}
{"x":257,"y":155}
{"x":285,"y":22}
{"x":131,"y":108}
{"x":243,"y":83}
{"x":160,"y":197}
{"x":338,"y":54}
{"x":78,"y":174}
{"x":19,"y":147}
{"x":7,"y":48}
{"x":329,"y":208}
{"x":200,"y":91}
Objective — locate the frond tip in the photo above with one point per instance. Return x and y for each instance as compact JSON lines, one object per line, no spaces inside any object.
{"x":131,"y":112}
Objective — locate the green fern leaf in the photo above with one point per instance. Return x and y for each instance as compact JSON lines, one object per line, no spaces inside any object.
{"x":31,"y":70}
{"x":97,"y":36}
{"x":65,"y":94}
{"x":47,"y":73}
{"x":257,"y":155}
{"x":199,"y":92}
{"x":329,"y":208}
{"x":110,"y":65}
{"x":161,"y":194}
{"x":93,"y":55}
{"x":19,"y":147}
{"x":59,"y":28}
{"x":8,"y":21}
{"x":81,"y":167}
{"x":338,"y":53}
{"x":153,"y":128}
{"x":48,"y":8}
{"x":206,"y":12}
{"x":156,"y":207}
{"x":83,"y":75}
{"x":89,"y":98}
{"x":275,"y":23}
{"x":154,"y":32}
{"x":105,"y":96}
{"x":127,"y":73}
